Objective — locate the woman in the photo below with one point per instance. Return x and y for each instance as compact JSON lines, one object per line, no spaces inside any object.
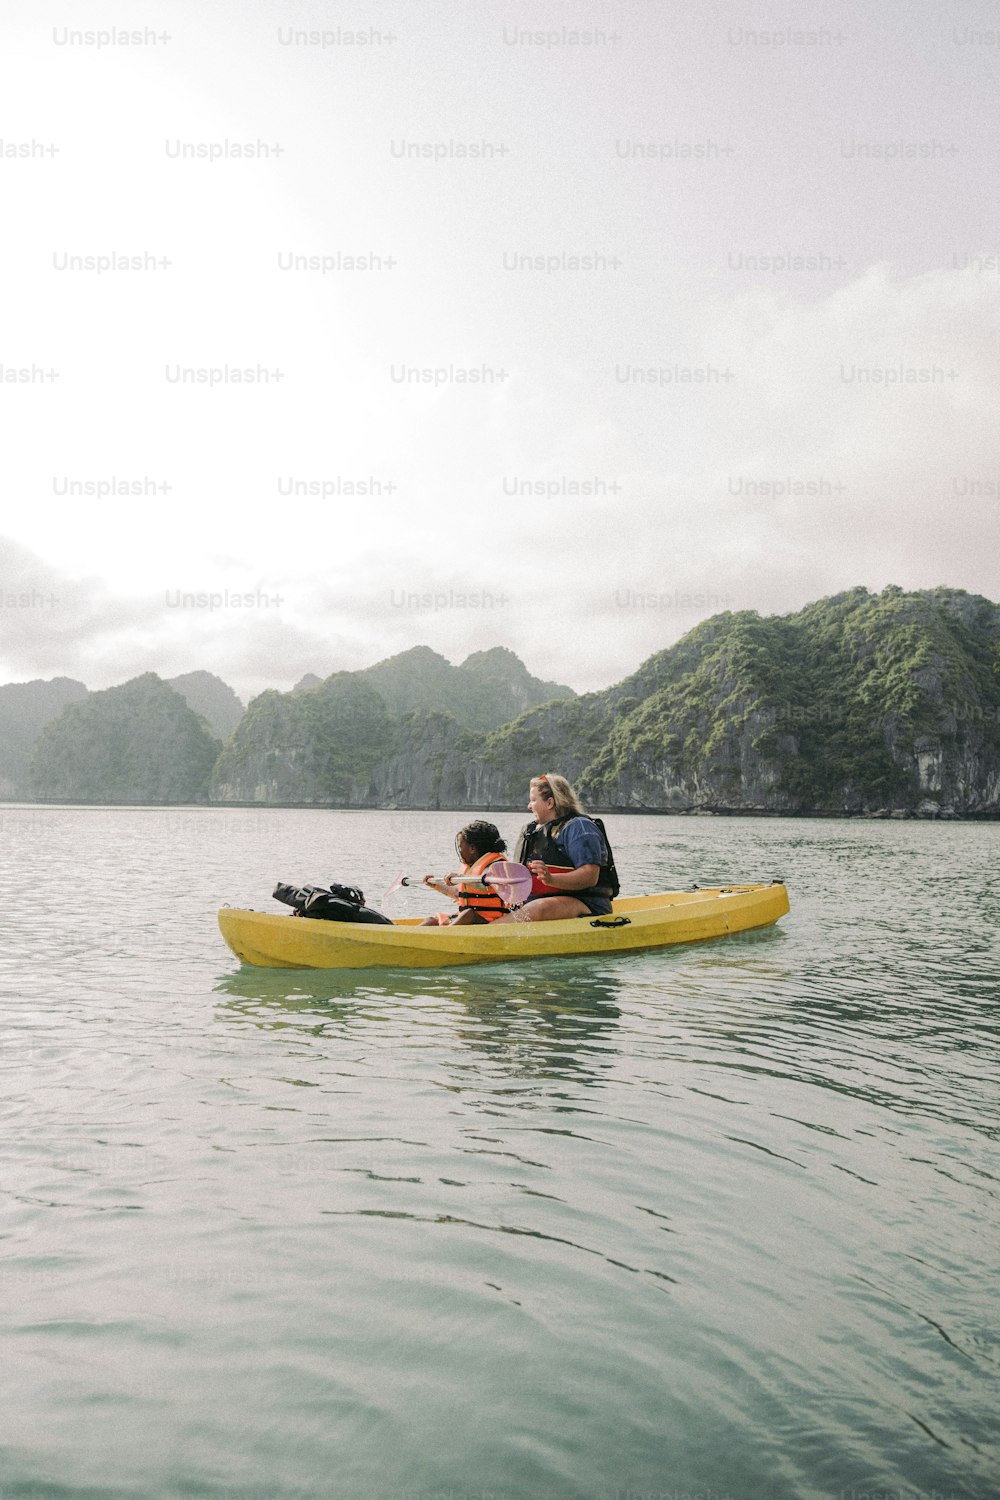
{"x":479,"y":845}
{"x":572,"y":870}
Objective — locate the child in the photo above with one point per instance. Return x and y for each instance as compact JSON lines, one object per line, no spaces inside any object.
{"x":478,"y":845}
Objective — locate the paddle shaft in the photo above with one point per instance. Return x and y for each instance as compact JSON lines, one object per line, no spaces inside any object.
{"x":466,"y":880}
{"x":510,"y":881}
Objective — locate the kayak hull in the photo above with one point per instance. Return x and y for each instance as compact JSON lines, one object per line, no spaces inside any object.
{"x":637,"y":922}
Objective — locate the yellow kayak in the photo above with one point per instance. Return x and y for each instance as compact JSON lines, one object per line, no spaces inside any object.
{"x":290,"y":942}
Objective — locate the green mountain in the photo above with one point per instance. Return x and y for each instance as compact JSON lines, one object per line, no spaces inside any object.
{"x":307,"y":746}
{"x":25,"y":709}
{"x":214,"y":699}
{"x":877,"y":704}
{"x":488,"y":688}
{"x":322,"y":742}
{"x":860,"y":703}
{"x":135,"y":743}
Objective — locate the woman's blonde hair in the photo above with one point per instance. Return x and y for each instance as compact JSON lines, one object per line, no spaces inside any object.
{"x":558,"y":788}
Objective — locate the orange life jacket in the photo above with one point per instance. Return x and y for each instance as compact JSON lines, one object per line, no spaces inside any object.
{"x":485,"y":904}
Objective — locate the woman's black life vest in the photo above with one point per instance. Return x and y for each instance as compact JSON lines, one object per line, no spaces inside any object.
{"x":543,"y":843}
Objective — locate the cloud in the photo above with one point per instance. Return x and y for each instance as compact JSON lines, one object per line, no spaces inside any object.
{"x":854,"y":446}
{"x":49,"y":619}
{"x":52,"y":624}
{"x":659,"y":439}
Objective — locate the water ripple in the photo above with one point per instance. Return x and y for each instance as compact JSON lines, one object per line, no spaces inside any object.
{"x":717,"y":1220}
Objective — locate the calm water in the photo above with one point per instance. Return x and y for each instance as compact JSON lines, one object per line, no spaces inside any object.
{"x":715,"y":1222}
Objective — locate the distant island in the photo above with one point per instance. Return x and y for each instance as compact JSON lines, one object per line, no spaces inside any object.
{"x":876,"y":705}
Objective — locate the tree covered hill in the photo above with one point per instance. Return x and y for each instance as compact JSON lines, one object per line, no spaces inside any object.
{"x":322,"y":742}
{"x":861,"y":703}
{"x":25,"y":709}
{"x":214,"y":699}
{"x":308,"y":746}
{"x":486,"y":690}
{"x":136,"y":743}
{"x":304,"y":746}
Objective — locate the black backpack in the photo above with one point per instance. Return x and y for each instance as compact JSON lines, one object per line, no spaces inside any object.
{"x":332,"y":903}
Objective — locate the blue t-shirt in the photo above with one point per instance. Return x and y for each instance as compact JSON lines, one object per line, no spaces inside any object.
{"x":582,"y":841}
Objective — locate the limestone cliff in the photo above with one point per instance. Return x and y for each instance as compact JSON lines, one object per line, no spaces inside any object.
{"x":214,"y":699}
{"x":312,"y":746}
{"x":25,"y":709}
{"x":858,"y":704}
{"x":874,"y":704}
{"x":868,"y":704}
{"x":135,"y":743}
{"x":403,"y":732}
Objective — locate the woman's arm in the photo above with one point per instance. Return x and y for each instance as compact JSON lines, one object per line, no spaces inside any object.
{"x":566,"y":880}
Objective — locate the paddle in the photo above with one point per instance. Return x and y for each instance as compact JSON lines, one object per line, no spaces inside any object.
{"x":511,"y":881}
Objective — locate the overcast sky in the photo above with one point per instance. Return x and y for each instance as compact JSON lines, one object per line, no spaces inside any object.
{"x":736,"y":270}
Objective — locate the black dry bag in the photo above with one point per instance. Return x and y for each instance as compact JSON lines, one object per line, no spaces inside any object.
{"x":333,"y":903}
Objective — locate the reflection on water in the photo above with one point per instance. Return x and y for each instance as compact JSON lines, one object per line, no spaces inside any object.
{"x":530,"y":1020}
